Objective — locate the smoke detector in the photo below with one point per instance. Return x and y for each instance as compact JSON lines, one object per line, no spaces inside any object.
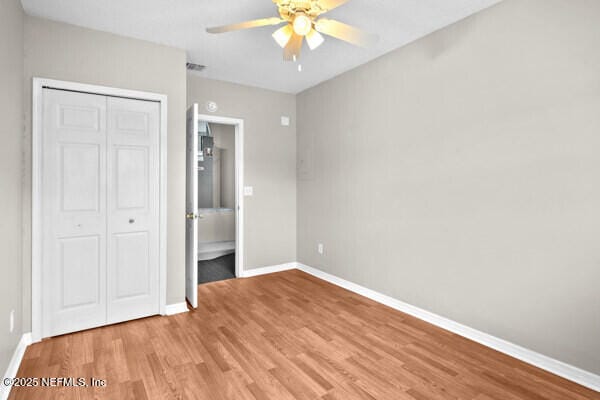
{"x":195,"y":67}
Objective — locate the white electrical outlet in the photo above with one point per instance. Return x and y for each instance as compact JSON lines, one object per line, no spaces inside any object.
{"x":12,"y":321}
{"x":248,"y":191}
{"x":285,"y":121}
{"x":320,"y":248}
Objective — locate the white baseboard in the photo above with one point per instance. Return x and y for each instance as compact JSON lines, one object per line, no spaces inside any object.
{"x":14,"y":364}
{"x":178,"y":308}
{"x":554,"y":366}
{"x":269,"y":270}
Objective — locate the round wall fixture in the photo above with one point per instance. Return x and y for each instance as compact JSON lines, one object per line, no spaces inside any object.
{"x":211,"y":106}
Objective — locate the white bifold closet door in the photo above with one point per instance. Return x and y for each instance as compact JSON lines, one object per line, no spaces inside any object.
{"x":100,"y":196}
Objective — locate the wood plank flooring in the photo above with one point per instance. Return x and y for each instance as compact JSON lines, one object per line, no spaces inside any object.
{"x":284,"y":336}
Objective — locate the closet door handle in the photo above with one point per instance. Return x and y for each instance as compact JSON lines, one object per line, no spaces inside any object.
{"x":131,"y":220}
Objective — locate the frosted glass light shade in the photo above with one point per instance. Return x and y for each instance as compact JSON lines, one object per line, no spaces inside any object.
{"x":314,"y":39}
{"x":282,"y":35}
{"x":302,"y":25}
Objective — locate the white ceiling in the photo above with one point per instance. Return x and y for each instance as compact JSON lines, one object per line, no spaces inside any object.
{"x":252,"y":57}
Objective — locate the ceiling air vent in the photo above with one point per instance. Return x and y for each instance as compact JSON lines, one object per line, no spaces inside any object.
{"x":195,"y":67}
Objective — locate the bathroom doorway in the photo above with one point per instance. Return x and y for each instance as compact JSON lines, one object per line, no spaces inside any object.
{"x":216,"y":202}
{"x":213,"y":201}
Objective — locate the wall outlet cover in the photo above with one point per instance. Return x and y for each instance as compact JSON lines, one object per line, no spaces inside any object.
{"x":285,"y":121}
{"x":248,"y":191}
{"x":320,"y":248}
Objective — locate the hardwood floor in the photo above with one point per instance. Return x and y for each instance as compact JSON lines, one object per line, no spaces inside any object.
{"x":284,"y":336}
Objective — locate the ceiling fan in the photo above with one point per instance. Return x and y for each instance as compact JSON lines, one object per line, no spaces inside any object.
{"x":302,"y":21}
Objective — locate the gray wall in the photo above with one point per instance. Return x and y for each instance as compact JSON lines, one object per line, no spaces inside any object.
{"x":461,"y":174}
{"x":269,"y":165}
{"x":59,"y":51}
{"x":11,"y":131}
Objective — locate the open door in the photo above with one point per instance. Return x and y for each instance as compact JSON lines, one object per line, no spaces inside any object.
{"x":191,"y":207}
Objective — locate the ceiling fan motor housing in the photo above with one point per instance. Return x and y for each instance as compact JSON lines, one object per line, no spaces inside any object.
{"x":289,"y":8}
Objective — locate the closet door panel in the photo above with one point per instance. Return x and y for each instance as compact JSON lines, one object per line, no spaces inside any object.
{"x":80,"y":177}
{"x":73,"y":211}
{"x":133,"y":199}
{"x":80,"y":262}
{"x":132,"y":263}
{"x":131,"y":165}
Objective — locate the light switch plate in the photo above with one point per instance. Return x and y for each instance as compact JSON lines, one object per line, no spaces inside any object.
{"x":285,"y":121}
{"x":248,"y":191}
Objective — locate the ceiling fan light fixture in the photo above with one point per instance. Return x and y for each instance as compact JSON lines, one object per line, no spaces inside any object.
{"x":302,"y":24}
{"x":303,"y":19}
{"x":314,"y":39}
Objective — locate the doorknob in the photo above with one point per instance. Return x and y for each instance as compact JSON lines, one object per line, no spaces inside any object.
{"x":191,"y":216}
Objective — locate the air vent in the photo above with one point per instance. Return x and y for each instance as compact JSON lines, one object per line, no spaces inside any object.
{"x":195,"y":67}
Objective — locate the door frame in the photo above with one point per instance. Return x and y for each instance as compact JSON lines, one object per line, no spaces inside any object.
{"x":36,"y":190}
{"x":238,"y":124}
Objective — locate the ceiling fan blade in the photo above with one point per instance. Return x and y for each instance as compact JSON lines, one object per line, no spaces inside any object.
{"x":331,"y":4}
{"x":293,"y":48}
{"x":246,"y":25}
{"x":345,"y":32}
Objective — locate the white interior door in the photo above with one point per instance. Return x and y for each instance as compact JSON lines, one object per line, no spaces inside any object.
{"x":191,"y":206}
{"x":100,"y":210}
{"x":74,"y":212}
{"x":133,"y":203}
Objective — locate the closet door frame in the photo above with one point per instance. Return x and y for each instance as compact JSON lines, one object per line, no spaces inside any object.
{"x":36,"y":195}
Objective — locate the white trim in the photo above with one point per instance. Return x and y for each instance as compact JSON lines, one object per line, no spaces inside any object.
{"x":36,"y":200}
{"x":239,"y":184}
{"x":177,"y":308}
{"x":269,"y":270}
{"x":13,"y":365}
{"x":163,"y":223}
{"x":567,"y":371}
{"x":36,"y":212}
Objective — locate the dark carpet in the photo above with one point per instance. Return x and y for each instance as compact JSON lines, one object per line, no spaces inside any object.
{"x":216,"y":270}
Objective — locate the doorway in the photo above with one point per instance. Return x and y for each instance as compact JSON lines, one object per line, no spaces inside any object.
{"x":214,"y":200}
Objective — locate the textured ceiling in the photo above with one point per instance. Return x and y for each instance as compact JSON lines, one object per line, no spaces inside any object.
{"x":252,"y":57}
